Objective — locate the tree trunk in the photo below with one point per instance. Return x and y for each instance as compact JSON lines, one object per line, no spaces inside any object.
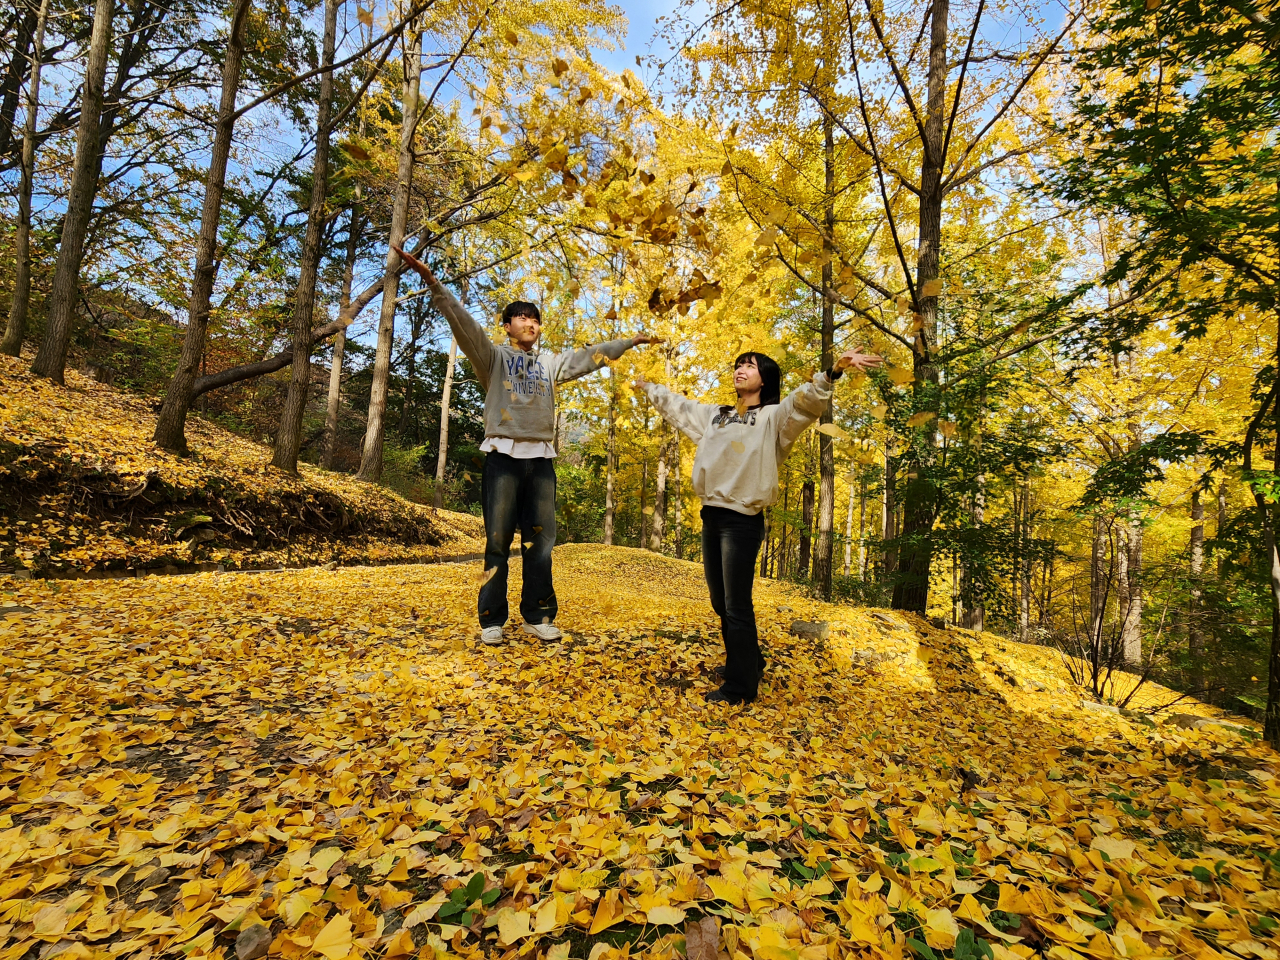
{"x":644,"y":489}
{"x":889,"y":518}
{"x":442,"y":454}
{"x":675,"y":493}
{"x":780,"y":557}
{"x":371,"y":454}
{"x":1221,"y":527}
{"x":658,"y":530}
{"x":17,"y":327}
{"x":806,"y":530}
{"x":848,"y":531}
{"x":1131,"y":631}
{"x":289,"y":436}
{"x":411,"y":375}
{"x":340,"y":343}
{"x":826,"y":446}
{"x":25,"y":23}
{"x":611,"y":462}
{"x":1195,"y":629}
{"x":862,"y":529}
{"x":171,"y":424}
{"x":51,"y":360}
{"x":911,"y":591}
{"x":974,"y":615}
{"x":1098,"y":586}
{"x":768,"y":540}
{"x":1024,"y":568}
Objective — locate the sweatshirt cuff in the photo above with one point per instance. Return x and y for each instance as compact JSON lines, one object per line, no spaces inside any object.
{"x":832,"y":375}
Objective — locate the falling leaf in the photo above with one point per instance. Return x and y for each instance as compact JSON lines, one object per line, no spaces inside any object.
{"x":900,"y":375}
{"x":921,"y":418}
{"x":559,"y":66}
{"x":831,"y":430}
{"x":931,"y":288}
{"x":355,"y":151}
{"x":506,"y":415}
{"x":364,"y":16}
{"x":484,"y":576}
{"x":879,"y":411}
{"x":738,"y":446}
{"x":510,"y":36}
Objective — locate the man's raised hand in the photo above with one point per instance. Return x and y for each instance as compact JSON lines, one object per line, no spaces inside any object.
{"x":863,"y":361}
{"x":421,"y":268}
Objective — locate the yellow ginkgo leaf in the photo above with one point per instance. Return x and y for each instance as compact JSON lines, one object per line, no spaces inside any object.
{"x":334,"y":940}
{"x":931,"y":288}
{"x":947,"y":429}
{"x":665,"y":915}
{"x":900,"y":376}
{"x":831,"y":430}
{"x":506,"y":415}
{"x":921,"y":418}
{"x":738,"y":446}
{"x":879,"y":411}
{"x":510,"y":36}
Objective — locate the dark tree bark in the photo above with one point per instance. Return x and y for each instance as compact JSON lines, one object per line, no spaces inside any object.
{"x":371,"y":454}
{"x":411,"y":375}
{"x":1195,"y":628}
{"x":171,"y":424}
{"x":658,"y":529}
{"x":16,"y":329}
{"x":806,"y":530}
{"x":51,"y":360}
{"x":289,"y":436}
{"x":26,"y":27}
{"x":826,"y":446}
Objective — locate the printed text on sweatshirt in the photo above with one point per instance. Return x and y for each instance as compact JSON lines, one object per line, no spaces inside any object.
{"x":519,"y":387}
{"x":738,"y":456}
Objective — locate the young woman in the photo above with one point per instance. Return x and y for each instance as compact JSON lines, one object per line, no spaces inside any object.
{"x":735,"y":475}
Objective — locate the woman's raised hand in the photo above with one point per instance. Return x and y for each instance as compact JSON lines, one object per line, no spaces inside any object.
{"x":863,"y":361}
{"x":422,"y":269}
{"x":640,"y":338}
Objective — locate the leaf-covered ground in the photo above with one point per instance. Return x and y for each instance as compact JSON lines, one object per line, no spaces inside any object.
{"x":324,"y":763}
{"x":83,"y":488}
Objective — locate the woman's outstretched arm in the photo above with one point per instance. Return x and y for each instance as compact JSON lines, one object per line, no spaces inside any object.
{"x":688,"y":416}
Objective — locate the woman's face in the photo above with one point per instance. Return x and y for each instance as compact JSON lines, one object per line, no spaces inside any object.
{"x":746,"y":377}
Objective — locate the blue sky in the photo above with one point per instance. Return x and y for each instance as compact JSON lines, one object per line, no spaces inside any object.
{"x":642,"y":15}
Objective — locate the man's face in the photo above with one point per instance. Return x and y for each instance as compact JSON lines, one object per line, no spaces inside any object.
{"x":523,"y":330}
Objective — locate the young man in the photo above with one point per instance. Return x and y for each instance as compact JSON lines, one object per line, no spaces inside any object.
{"x":519,"y":484}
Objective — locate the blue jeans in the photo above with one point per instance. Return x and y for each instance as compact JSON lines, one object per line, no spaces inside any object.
{"x":518,"y":493}
{"x":730,"y":543}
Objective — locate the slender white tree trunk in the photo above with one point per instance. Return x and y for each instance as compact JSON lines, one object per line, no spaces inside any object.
{"x":442,"y":453}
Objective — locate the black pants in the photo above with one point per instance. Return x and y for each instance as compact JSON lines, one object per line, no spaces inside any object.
{"x":730,"y":544}
{"x":518,"y":493}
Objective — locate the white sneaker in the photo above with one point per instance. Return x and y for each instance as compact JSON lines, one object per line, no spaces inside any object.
{"x":543,"y":631}
{"x":491,"y":635}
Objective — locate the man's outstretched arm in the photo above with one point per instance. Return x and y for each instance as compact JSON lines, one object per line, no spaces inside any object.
{"x":471,"y":337}
{"x":578,"y":363}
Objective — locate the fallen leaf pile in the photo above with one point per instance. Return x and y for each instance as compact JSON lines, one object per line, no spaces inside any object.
{"x":83,"y":488}
{"x":324,"y":763}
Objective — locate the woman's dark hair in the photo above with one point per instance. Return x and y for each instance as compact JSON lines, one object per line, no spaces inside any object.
{"x":520,"y":308}
{"x":770,"y":376}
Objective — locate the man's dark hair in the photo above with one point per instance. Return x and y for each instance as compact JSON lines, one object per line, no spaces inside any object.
{"x":520,"y":308}
{"x":770,"y":376}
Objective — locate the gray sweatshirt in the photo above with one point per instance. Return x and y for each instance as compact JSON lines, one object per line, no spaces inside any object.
{"x":519,"y":387}
{"x":736,"y":465}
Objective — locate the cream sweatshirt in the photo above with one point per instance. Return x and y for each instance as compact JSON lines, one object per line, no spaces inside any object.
{"x":519,"y":388}
{"x":736,"y":465}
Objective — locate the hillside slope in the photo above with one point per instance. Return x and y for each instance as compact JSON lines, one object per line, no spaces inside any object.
{"x":323,"y":762}
{"x":82,"y":488}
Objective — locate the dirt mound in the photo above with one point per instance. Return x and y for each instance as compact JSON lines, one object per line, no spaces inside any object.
{"x":84,"y":490}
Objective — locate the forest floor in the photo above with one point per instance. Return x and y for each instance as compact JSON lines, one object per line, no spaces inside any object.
{"x":315,"y":762}
{"x":83,"y":490}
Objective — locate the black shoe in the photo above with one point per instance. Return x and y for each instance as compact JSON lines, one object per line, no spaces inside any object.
{"x":719,"y":696}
